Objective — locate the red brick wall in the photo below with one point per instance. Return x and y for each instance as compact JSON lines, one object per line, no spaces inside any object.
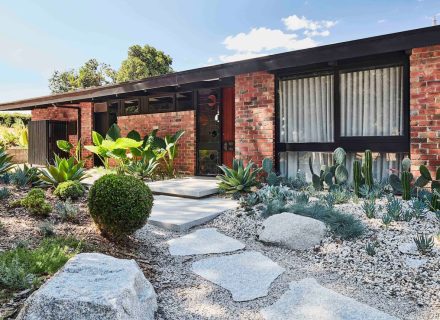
{"x":425,"y":107}
{"x":71,"y":114}
{"x":255,"y":116}
{"x":168,"y":123}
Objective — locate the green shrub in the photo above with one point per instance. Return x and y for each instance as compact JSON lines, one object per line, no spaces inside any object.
{"x":238,"y":179}
{"x":119,"y":204}
{"x":22,"y":268}
{"x":69,"y":189}
{"x":66,"y":210}
{"x":35,"y":202}
{"x":63,"y":170}
{"x":4,"y":193}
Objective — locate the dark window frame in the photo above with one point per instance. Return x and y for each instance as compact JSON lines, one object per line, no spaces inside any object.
{"x":123,"y":108}
{"x":391,"y":144}
{"x":159,"y":95}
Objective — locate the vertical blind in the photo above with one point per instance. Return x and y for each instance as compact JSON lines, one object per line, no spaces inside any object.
{"x":371,"y":102}
{"x":306,"y":110}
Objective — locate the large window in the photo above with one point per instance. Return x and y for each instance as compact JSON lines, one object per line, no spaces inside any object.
{"x":161,"y":104}
{"x":355,"y":107}
{"x":131,"y":107}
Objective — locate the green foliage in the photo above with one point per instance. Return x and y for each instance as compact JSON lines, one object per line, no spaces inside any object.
{"x":341,"y":195}
{"x":63,"y":170}
{"x":367,"y":168}
{"x":404,"y":184}
{"x":238,"y":179}
{"x":5,"y":161}
{"x":69,"y":189}
{"x":66,"y":210}
{"x":144,"y":62}
{"x":23,"y":268}
{"x":369,"y":208}
{"x":299,"y":182}
{"x":329,"y":200}
{"x":13,"y":132}
{"x":46,"y":229}
{"x":342,"y":225}
{"x":424,"y":243}
{"x":301,"y":198}
{"x":249,"y":200}
{"x":419,"y":207}
{"x":143,"y":168}
{"x":337,"y":174}
{"x":119,"y":204}
{"x":4,"y":193}
{"x":35,"y":202}
{"x":406,"y":215}
{"x":370,"y":248}
{"x":271,"y":177}
{"x":357,"y":176}
{"x":91,"y":74}
{"x":8,"y":119}
{"x":25,"y":176}
{"x":387,"y":219}
{"x":394,"y":208}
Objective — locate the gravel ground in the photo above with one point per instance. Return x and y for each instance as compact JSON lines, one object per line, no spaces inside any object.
{"x":383,"y":281}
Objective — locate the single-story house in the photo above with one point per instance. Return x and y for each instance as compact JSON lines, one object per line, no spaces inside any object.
{"x":380,"y":93}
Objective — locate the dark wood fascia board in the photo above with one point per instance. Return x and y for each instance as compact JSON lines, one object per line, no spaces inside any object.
{"x":383,"y":44}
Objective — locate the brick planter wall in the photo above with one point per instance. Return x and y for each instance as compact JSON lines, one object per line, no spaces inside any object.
{"x":70,"y":114}
{"x":425,"y":107}
{"x":255,"y":116}
{"x":168,"y":123}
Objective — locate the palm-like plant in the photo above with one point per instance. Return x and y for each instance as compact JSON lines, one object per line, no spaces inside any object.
{"x":142,"y":168}
{"x":238,"y":179}
{"x":5,"y":161}
{"x":63,"y":170}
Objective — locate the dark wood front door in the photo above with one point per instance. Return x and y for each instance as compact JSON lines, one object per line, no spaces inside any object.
{"x":228,"y":125}
{"x":208,"y":132}
{"x":43,"y":137}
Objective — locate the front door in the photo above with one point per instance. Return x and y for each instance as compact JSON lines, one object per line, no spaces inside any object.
{"x":208,"y":132}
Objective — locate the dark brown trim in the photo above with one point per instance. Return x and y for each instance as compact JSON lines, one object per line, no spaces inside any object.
{"x":383,"y":44}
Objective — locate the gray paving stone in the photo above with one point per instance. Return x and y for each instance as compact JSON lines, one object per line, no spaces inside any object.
{"x":246,"y":275}
{"x":180,"y":214}
{"x":203,"y":241}
{"x":307,"y":300}
{"x":190,"y":187}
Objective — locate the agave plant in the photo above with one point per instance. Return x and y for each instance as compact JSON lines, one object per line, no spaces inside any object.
{"x":142,"y":168}
{"x":238,"y":179}
{"x":25,"y":177}
{"x":5,"y":161}
{"x":63,"y":170}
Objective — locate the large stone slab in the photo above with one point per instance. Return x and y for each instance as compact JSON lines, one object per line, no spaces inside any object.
{"x":189,"y":187}
{"x":93,"y":286}
{"x":246,"y":275}
{"x":307,"y":300}
{"x":292,"y":231}
{"x":180,"y":214}
{"x":203,"y":241}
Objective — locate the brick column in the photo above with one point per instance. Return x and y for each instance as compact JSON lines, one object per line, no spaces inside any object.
{"x":86,"y":132}
{"x":255,"y":116}
{"x":425,"y":107}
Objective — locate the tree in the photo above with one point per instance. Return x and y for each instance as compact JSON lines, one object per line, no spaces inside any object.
{"x":144,"y":62}
{"x":91,"y":74}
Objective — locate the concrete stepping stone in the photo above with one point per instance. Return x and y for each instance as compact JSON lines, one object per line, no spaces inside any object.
{"x":180,"y":214}
{"x":246,"y":275}
{"x":307,"y":300}
{"x":189,"y":187}
{"x":203,"y":241}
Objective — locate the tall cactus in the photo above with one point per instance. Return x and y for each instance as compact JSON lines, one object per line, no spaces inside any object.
{"x":367,"y":168}
{"x":357,"y":176}
{"x":406,"y":185}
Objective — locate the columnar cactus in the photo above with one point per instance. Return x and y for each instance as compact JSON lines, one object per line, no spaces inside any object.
{"x":367,"y":168}
{"x":357,"y":176}
{"x":406,"y":185}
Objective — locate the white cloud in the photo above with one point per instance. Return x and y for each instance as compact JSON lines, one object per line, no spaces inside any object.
{"x":263,"y":41}
{"x":382,"y":21}
{"x":294,"y":23}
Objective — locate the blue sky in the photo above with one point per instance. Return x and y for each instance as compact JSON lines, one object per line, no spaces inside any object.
{"x":38,"y":37}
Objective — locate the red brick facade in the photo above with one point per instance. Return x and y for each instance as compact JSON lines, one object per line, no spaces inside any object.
{"x":168,"y":123}
{"x":425,"y":107}
{"x":255,"y":116}
{"x":71,"y":114}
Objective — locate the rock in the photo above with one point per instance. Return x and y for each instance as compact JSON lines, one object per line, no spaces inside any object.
{"x":246,"y":275}
{"x":93,"y":286}
{"x":203,"y":241}
{"x":307,"y":300}
{"x":408,"y":248}
{"x":414,"y":262}
{"x":292,"y":231}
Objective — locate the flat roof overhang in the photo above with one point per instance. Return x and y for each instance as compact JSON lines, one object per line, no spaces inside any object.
{"x":394,"y":42}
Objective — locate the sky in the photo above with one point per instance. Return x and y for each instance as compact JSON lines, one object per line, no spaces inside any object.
{"x":39,"y":37}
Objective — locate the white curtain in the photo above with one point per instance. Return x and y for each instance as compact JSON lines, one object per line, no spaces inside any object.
{"x":306,"y":110}
{"x":371,"y":102}
{"x":291,"y":162}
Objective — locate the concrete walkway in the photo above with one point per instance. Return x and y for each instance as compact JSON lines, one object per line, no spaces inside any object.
{"x":188,"y":187}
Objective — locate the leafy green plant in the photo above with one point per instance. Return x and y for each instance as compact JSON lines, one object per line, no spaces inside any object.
{"x":424,"y":243}
{"x":271,"y":177}
{"x":35,"y":202}
{"x":69,"y":189}
{"x":5,"y":161}
{"x":394,"y":208}
{"x":406,"y":215}
{"x":329,"y":200}
{"x":25,"y":176}
{"x":119,"y":204}
{"x":370,"y":248}
{"x":46,"y":229}
{"x":336,"y":175}
{"x":298,"y":182}
{"x":341,"y":195}
{"x":272,"y":207}
{"x":171,"y":147}
{"x":4,"y":193}
{"x":238,"y":179}
{"x":249,"y":200}
{"x":419,"y":207}
{"x":66,"y":210}
{"x":63,"y":170}
{"x":23,"y":268}
{"x":143,"y":168}
{"x":301,"y":198}
{"x":386,"y":220}
{"x":424,"y":179}
{"x":67,"y":147}
{"x":369,"y":208}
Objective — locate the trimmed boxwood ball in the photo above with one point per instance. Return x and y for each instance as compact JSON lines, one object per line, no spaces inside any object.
{"x":119,"y":204}
{"x":69,"y":189}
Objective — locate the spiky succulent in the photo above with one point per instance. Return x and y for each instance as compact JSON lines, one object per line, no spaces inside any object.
{"x":238,"y":179}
